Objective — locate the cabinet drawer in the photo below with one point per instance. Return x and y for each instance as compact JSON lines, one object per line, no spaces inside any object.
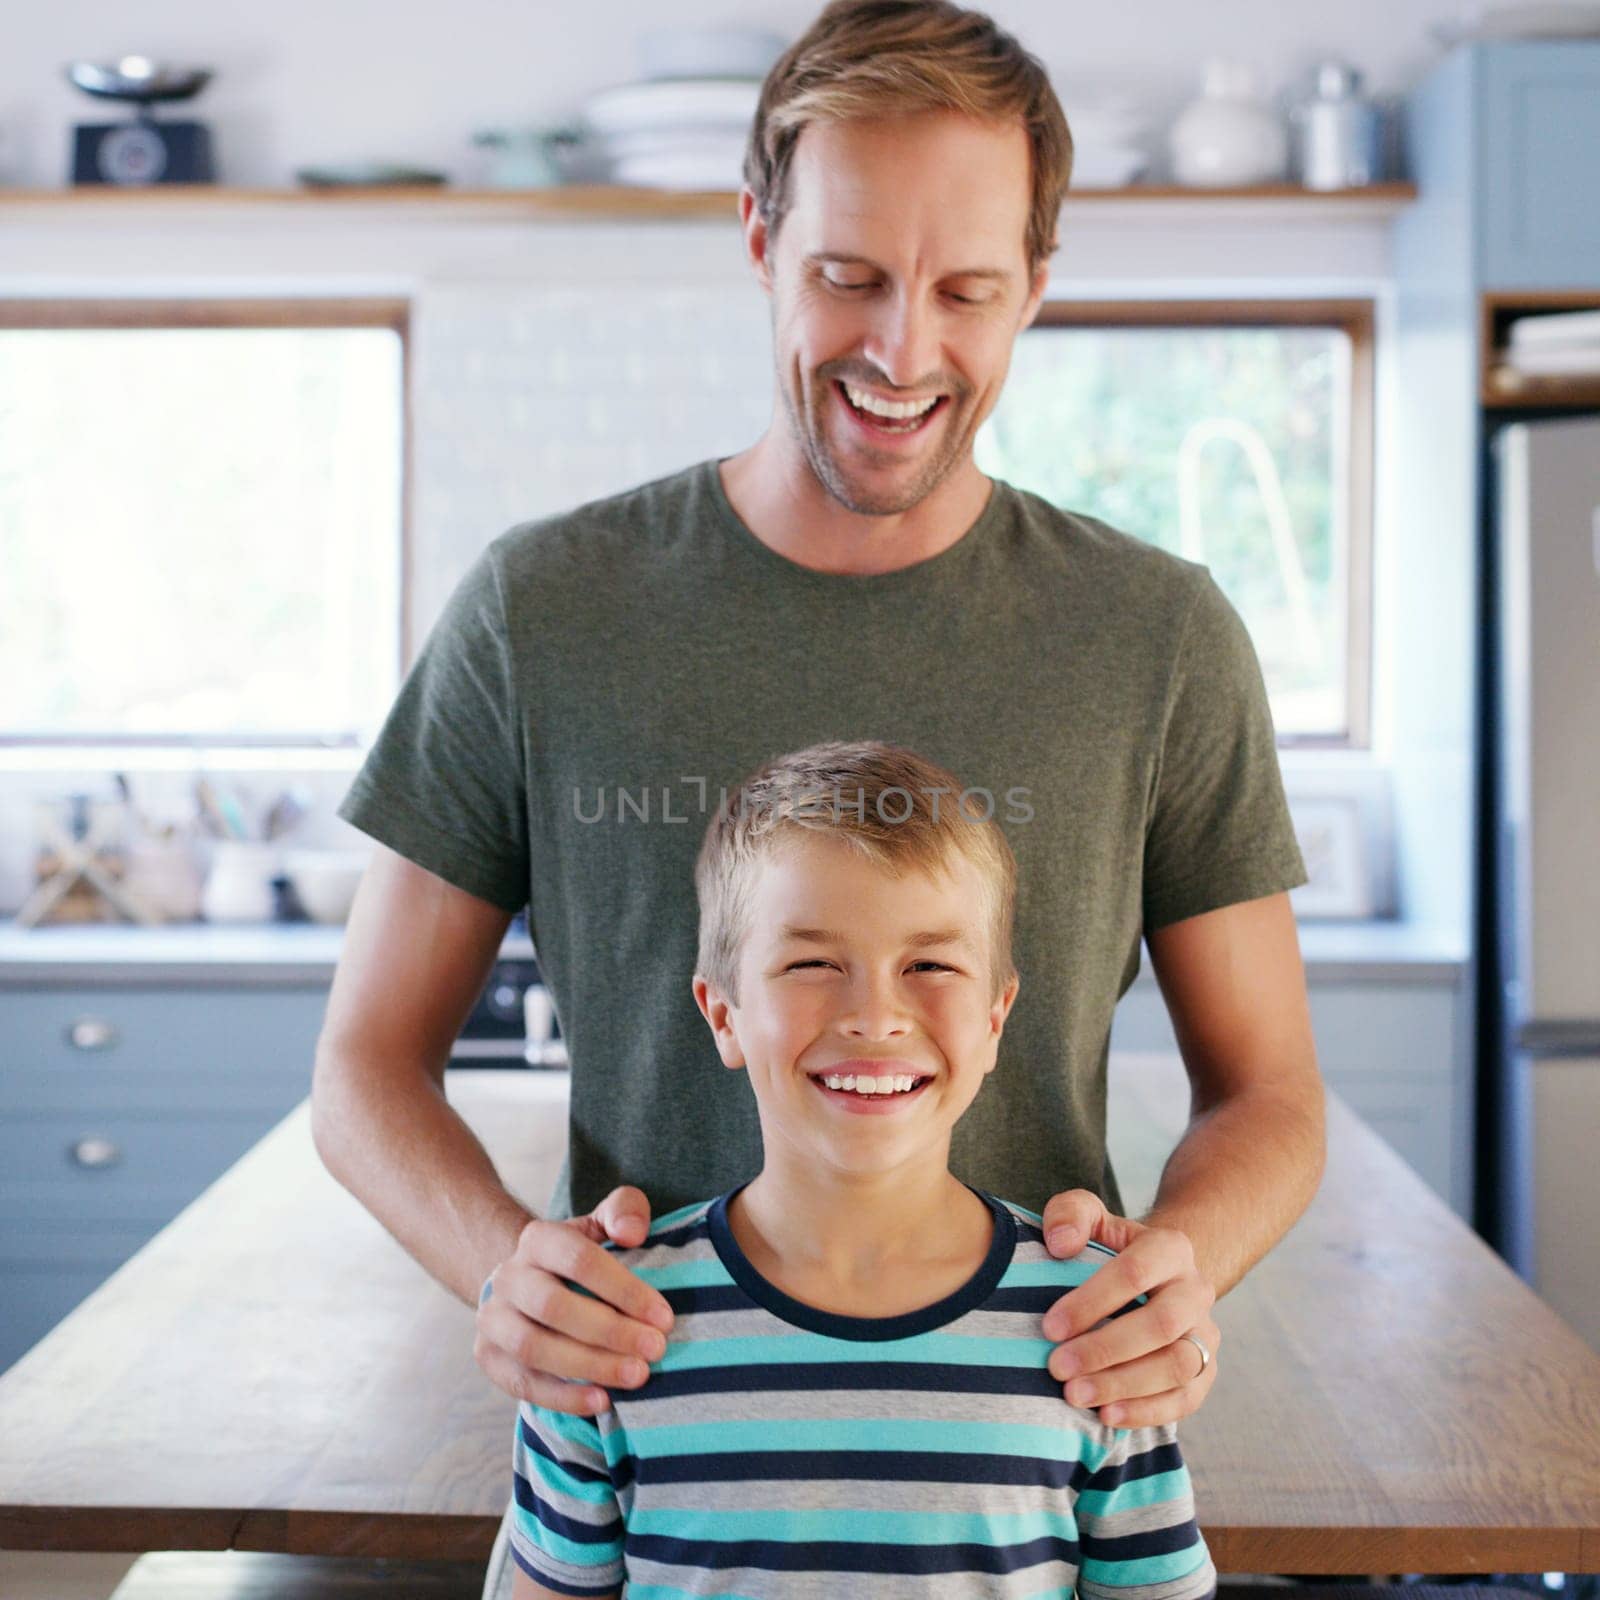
{"x":1361,"y":1029}
{"x":131,"y":1050}
{"x":35,"y":1296}
{"x":111,"y":1168}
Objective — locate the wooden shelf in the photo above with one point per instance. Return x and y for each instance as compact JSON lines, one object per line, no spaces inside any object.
{"x":1500,"y":388}
{"x":606,"y":201}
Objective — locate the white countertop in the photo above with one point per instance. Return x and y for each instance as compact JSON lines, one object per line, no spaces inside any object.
{"x":304,"y":954}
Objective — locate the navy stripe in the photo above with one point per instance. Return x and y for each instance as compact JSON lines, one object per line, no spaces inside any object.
{"x":571,"y":1469}
{"x":707,"y":1299}
{"x":672,"y":1238}
{"x":919,"y":1377}
{"x":906,"y":1466}
{"x":530,"y":1499}
{"x":851,"y":1556}
{"x":1159,"y":1458}
{"x":560,"y":1585}
{"x":1151,"y":1542}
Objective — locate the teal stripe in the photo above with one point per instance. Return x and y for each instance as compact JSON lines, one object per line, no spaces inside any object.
{"x":579,"y":1434}
{"x":550,"y":1475}
{"x":932,"y":1436}
{"x":943,"y":1348}
{"x":582,"y":1432}
{"x":1050,"y":1274}
{"x":671,"y":1219}
{"x":990,"y":1530}
{"x":661,"y":1591}
{"x":568,"y":1550}
{"x":1147,"y":1569}
{"x":699,"y":1274}
{"x":1149,"y":1491}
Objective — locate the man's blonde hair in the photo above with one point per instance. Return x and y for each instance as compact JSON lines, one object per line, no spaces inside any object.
{"x":899,"y":811}
{"x":878,"y":58}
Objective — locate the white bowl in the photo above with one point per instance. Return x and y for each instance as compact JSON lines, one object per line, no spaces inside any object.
{"x":709,"y":52}
{"x":325,"y":881}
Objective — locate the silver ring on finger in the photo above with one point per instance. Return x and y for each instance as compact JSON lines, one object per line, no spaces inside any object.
{"x":1205,"y":1355}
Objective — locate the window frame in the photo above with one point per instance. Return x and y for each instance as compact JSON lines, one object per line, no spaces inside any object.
{"x":384,"y":311}
{"x":1354,"y":317}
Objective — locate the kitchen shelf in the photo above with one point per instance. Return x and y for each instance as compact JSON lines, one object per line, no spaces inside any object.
{"x":597,"y":202}
{"x":1500,"y":388}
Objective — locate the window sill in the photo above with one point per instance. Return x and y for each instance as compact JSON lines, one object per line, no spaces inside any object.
{"x":179,"y":758}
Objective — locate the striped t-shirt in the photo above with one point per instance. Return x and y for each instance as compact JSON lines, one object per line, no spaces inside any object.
{"x":781,"y":1452}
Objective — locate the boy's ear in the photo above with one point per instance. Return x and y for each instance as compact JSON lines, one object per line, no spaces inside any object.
{"x":1001,"y":1009}
{"x":719,"y":1014}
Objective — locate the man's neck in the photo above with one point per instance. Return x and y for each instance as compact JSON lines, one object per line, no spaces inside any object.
{"x":777,"y":496}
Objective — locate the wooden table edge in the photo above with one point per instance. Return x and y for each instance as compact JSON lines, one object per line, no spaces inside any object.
{"x":120,"y":1529}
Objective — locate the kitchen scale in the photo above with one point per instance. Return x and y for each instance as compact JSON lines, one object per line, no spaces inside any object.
{"x":140,"y":151}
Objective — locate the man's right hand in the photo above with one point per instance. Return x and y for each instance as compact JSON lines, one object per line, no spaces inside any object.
{"x":535,"y":1331}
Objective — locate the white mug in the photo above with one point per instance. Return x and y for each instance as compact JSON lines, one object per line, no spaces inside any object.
{"x":239,"y":887}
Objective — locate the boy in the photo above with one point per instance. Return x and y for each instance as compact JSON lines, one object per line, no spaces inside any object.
{"x":854,"y":1398}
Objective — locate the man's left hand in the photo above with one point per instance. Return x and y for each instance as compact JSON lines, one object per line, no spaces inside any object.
{"x":1139,"y":1369}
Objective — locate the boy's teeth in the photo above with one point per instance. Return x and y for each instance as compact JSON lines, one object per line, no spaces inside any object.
{"x":864,"y":1085}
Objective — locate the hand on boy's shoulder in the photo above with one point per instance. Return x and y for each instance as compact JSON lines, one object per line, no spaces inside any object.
{"x":1128,"y":1334}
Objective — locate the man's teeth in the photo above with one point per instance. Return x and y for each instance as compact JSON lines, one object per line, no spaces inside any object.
{"x":896,"y":410}
{"x":891,"y":1085}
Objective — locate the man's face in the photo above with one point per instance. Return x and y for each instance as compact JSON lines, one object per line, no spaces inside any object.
{"x":899,"y":269}
{"x":840,"y":978}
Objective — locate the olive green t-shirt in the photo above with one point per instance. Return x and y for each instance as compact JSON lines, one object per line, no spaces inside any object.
{"x":599,"y":676}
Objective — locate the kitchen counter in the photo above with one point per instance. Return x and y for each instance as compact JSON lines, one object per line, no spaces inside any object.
{"x":273,"y":1373}
{"x":300,"y":953}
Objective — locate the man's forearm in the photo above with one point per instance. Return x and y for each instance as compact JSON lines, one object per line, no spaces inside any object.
{"x":405,"y":1153}
{"x":1240,"y":1176}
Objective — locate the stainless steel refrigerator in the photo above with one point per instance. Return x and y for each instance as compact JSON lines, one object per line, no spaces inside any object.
{"x":1545,"y":741}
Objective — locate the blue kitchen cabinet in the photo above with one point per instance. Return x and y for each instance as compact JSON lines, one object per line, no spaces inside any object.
{"x":1538,"y":157}
{"x":118,"y":1106}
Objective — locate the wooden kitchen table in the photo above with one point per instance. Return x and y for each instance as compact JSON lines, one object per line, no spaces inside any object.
{"x":273,"y":1373}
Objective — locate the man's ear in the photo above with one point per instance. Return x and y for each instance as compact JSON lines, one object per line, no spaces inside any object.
{"x":756,"y":237}
{"x":715,"y":1008}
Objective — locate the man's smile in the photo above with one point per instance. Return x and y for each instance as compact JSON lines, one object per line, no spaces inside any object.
{"x":882,"y":429}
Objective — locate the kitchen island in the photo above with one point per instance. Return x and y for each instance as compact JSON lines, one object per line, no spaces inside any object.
{"x":273,"y":1373}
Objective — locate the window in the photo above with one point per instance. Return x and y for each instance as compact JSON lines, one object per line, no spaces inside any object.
{"x":201,"y":521}
{"x":1235,"y":435}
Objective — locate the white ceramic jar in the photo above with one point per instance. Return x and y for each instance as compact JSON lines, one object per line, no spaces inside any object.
{"x":239,"y":885}
{"x":1231,"y":136}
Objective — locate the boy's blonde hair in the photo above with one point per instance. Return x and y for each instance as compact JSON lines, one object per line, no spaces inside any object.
{"x":882,"y":58}
{"x":901,"y":812}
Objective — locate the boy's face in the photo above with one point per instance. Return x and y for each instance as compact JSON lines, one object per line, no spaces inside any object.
{"x":836,"y":980}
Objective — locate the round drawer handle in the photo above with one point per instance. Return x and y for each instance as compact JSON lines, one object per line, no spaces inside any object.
{"x":92,"y":1033}
{"x":94,"y":1153}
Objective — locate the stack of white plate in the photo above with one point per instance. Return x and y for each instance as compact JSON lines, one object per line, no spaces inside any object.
{"x":686,"y":125}
{"x":1110,"y":142}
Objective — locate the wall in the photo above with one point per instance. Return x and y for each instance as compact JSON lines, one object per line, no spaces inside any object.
{"x":515,"y":322}
{"x":301,"y":82}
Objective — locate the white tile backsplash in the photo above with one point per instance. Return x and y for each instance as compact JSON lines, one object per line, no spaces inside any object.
{"x":525,"y":400}
{"x":528,"y":401}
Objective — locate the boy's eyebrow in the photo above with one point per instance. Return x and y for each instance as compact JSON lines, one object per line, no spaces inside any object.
{"x":918,"y":941}
{"x":837,"y":258}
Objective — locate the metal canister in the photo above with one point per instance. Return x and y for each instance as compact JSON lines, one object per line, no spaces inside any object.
{"x":1336,"y":131}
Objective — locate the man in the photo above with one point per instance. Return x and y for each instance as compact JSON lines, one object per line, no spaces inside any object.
{"x":598,"y":675}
